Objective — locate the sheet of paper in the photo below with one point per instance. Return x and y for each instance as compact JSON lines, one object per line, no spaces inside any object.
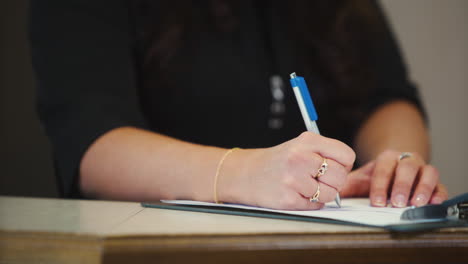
{"x":356,"y":210}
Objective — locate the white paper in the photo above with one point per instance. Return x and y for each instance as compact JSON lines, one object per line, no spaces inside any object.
{"x":356,"y":210}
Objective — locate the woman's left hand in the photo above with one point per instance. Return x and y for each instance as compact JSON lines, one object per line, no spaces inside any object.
{"x":406,"y":181}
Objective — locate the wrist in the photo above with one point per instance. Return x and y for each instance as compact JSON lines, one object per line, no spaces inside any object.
{"x":233,"y":178}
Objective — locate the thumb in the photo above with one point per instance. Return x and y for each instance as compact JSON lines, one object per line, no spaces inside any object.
{"x":358,"y":182}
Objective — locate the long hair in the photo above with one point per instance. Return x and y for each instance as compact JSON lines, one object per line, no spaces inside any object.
{"x":334,"y":35}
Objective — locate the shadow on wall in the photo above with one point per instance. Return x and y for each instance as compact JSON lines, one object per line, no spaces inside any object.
{"x":25,"y":160}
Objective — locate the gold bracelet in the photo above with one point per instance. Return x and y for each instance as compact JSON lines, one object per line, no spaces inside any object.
{"x":220,"y":163}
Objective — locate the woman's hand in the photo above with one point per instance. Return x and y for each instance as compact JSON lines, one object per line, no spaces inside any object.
{"x":281,"y":177}
{"x":409,"y":181}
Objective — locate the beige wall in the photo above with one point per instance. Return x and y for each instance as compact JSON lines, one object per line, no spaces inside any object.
{"x":433,"y":35}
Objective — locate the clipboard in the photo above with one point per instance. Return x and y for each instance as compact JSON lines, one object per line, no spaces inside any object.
{"x":451,"y":213}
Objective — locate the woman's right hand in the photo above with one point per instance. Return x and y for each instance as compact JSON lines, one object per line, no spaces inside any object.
{"x":281,"y":177}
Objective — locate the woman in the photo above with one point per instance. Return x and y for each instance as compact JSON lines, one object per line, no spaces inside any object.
{"x":144,"y":100}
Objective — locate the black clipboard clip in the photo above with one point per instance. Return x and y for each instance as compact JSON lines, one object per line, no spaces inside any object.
{"x":452,"y":209}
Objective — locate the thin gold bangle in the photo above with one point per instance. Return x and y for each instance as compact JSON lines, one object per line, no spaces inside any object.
{"x":220,"y":163}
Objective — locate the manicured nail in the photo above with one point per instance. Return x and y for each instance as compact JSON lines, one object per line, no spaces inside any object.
{"x":399,"y":200}
{"x":421,"y":199}
{"x":436,"y":200}
{"x":380,"y":201}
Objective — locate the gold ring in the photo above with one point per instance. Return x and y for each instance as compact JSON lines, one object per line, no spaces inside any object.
{"x":323,"y":168}
{"x":315,"y":197}
{"x":405,"y":155}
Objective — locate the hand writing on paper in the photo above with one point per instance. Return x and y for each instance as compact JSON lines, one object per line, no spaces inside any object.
{"x":410,"y":181}
{"x":281,"y":177}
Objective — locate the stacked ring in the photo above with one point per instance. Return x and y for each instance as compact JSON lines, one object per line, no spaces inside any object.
{"x":315,"y":197}
{"x":323,"y":168}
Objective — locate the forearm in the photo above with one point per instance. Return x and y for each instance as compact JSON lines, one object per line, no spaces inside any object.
{"x":134,"y":164}
{"x":396,"y":125}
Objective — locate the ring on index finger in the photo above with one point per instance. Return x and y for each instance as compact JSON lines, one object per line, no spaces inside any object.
{"x":323,"y":168}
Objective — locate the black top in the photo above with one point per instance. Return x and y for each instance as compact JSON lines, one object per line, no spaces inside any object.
{"x":85,"y":54}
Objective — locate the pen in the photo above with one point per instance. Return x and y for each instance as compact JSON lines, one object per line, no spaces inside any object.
{"x":307,"y":109}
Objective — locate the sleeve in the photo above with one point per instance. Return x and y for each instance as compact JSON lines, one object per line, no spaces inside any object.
{"x":85,"y":71}
{"x":392,"y":78}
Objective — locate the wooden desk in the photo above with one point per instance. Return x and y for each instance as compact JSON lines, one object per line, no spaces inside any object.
{"x":36,"y":230}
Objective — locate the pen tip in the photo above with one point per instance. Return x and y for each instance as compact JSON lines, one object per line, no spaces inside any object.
{"x":293,"y":75}
{"x":338,"y":200}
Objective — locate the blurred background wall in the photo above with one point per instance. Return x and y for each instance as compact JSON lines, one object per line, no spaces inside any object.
{"x":433,"y":35}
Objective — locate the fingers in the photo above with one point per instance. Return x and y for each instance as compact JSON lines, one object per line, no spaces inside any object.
{"x":440,"y":194}
{"x":429,"y":177}
{"x":304,"y":184}
{"x":387,"y":177}
{"x":297,"y":202}
{"x":403,"y":177}
{"x":326,"y":193}
{"x":329,"y":148}
{"x":306,"y":166}
{"x":297,"y":163}
{"x":358,"y":181}
{"x":382,"y":177}
{"x":301,"y":200}
{"x":335,"y":176}
{"x":405,"y":174}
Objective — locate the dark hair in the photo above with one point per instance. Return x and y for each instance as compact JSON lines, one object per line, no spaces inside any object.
{"x":333,"y":36}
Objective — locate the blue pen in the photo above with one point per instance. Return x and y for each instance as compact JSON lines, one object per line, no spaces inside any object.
{"x":307,"y":109}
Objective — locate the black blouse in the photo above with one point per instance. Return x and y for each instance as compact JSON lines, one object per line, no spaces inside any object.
{"x":85,"y":54}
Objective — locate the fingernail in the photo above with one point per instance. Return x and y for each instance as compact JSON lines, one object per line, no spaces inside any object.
{"x":436,"y":200}
{"x":399,"y":200}
{"x":421,"y":199}
{"x":379,"y":201}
